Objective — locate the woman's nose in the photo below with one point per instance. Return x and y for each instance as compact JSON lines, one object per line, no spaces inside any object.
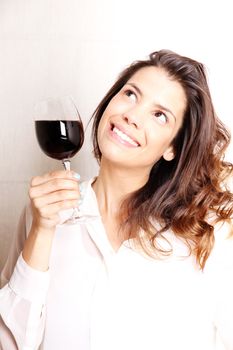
{"x":130,"y":120}
{"x":133,"y":118}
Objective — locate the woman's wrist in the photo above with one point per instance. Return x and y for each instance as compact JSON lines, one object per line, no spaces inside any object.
{"x":37,"y":248}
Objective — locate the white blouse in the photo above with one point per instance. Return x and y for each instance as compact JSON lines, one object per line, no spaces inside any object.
{"x":93,"y":298}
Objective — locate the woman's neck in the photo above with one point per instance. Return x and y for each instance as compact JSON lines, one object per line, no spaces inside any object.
{"x":113,"y":184}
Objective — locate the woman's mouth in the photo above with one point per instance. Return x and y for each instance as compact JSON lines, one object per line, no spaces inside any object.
{"x":123,"y":137}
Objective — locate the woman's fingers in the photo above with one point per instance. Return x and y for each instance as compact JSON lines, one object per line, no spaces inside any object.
{"x":51,"y":193}
{"x":50,"y":211}
{"x":52,"y":185}
{"x":55,"y":197}
{"x":58,"y":174}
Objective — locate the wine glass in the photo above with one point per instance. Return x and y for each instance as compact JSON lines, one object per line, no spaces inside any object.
{"x":59,"y":131}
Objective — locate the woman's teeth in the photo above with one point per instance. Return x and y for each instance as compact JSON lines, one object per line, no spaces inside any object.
{"x":124,"y":137}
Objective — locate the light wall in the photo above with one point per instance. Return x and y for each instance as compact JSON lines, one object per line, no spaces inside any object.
{"x":77,"y":47}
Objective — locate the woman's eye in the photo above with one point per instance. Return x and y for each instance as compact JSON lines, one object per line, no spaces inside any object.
{"x":130,"y":94}
{"x":162,"y":118}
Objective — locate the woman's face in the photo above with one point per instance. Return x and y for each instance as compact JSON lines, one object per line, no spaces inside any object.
{"x":141,"y":120}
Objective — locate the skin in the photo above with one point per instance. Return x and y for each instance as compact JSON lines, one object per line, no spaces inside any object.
{"x":149,"y":109}
{"x":124,"y":168}
{"x":49,"y":194}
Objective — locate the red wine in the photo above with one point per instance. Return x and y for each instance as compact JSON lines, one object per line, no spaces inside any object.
{"x":59,"y":139}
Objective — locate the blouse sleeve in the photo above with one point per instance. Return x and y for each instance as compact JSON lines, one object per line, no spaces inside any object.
{"x":222,"y":273}
{"x":22,"y":297}
{"x":224,"y":310}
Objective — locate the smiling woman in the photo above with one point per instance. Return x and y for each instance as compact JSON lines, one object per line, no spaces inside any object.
{"x":152,"y":253}
{"x":182,"y":193}
{"x":146,"y":113}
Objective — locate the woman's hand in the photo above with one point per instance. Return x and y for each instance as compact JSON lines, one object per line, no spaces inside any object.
{"x":52,"y":193}
{"x":49,"y":194}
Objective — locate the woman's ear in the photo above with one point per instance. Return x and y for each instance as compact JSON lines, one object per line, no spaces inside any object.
{"x":169,"y":154}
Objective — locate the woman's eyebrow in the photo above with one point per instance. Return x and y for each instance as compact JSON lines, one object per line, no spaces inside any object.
{"x":155,"y":104}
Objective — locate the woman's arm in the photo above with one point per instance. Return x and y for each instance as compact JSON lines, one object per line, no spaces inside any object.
{"x":222,"y":286}
{"x":22,"y":307}
{"x":224,"y":310}
{"x":22,"y":297}
{"x":25,"y":277}
{"x":49,"y":195}
{"x":7,"y":341}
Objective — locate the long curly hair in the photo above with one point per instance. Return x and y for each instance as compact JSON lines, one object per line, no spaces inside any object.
{"x":180,"y":194}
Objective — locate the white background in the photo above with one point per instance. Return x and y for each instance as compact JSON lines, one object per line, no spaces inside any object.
{"x":78,"y":47}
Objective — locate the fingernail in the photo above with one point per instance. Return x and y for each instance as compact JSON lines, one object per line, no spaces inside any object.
{"x":81,"y":190}
{"x":81,"y":186}
{"x":79,"y":202}
{"x":76,"y":176}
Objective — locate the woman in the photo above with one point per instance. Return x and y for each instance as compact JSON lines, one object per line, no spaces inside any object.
{"x":149,"y":264}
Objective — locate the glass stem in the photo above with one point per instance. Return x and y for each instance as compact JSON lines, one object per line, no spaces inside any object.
{"x":75,"y":214}
{"x":66,"y":164}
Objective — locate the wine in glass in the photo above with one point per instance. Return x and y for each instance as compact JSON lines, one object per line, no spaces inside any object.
{"x":59,"y":131}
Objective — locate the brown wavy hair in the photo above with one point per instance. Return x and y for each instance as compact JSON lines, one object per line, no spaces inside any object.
{"x":180,"y":194}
